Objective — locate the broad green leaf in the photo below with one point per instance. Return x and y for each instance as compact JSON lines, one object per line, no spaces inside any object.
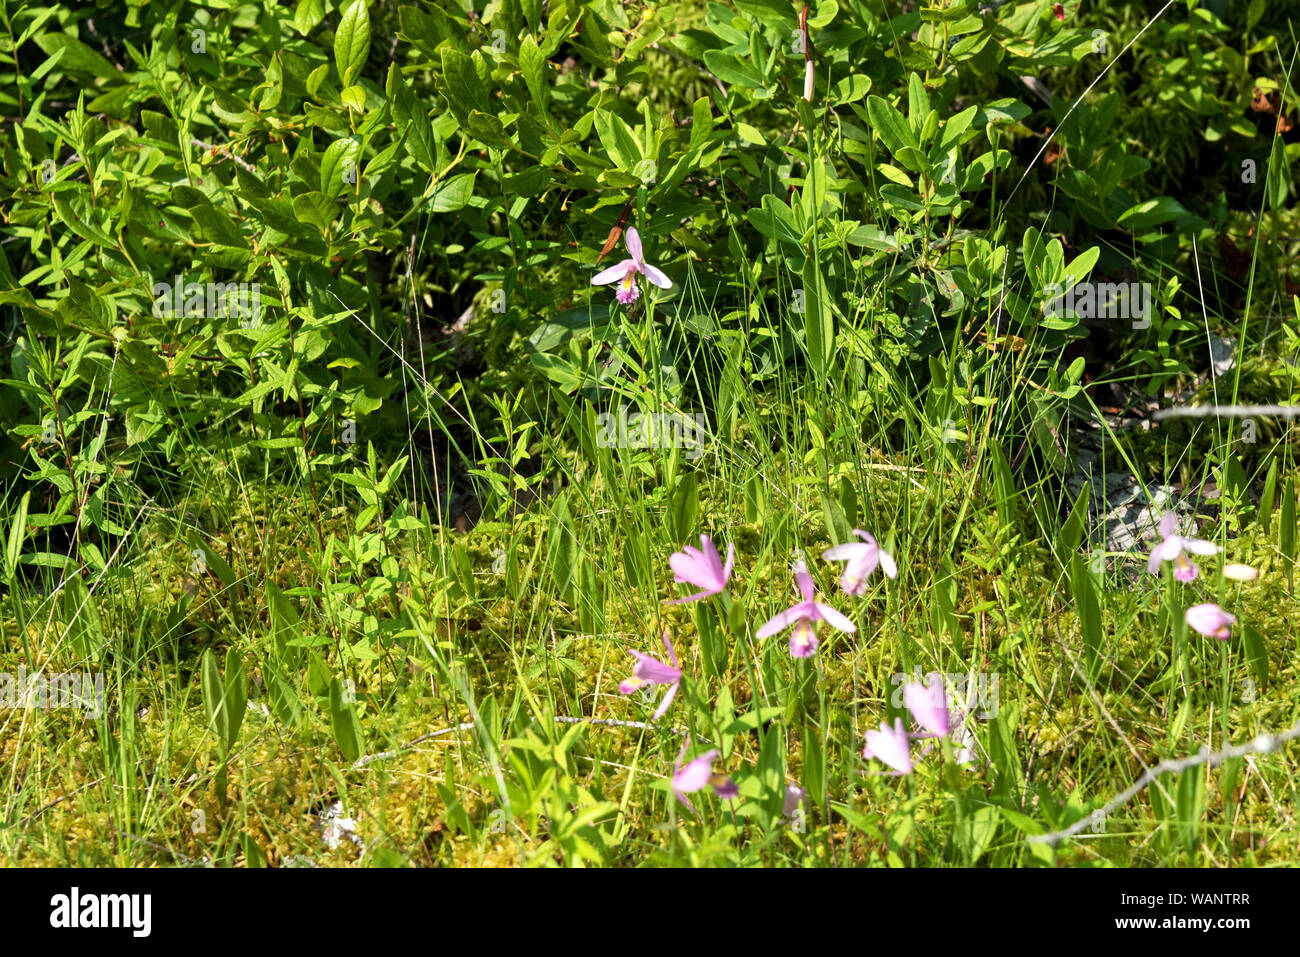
{"x":894,"y":132}
{"x":314,"y":208}
{"x":338,"y":167}
{"x":453,"y":193}
{"x":308,"y":15}
{"x":533,"y":65}
{"x":352,"y":42}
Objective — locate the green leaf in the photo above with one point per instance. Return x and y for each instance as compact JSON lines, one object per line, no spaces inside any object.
{"x":1277,"y":182}
{"x":1089,"y":611}
{"x":853,"y":87}
{"x":419,"y":139}
{"x":616,"y":136}
{"x":533,"y":65}
{"x":701,"y":122}
{"x":1153,"y":212}
{"x":338,"y":167}
{"x":346,"y":724}
{"x":14,"y":541}
{"x":214,"y":698}
{"x":1267,"y":498}
{"x":352,"y":42}
{"x":730,"y":69}
{"x":452,"y":194}
{"x":236,"y":696}
{"x":464,"y":90}
{"x":819,"y":322}
{"x":1286,"y":533}
{"x":895,"y":133}
{"x":74,"y":56}
{"x":308,"y":15}
{"x":315,"y":209}
{"x":686,"y":505}
{"x":1256,"y":653}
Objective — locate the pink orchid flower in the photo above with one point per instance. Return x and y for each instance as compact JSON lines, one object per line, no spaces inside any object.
{"x":702,"y":567}
{"x":1171,"y":549}
{"x":863,"y":557}
{"x":652,"y":671}
{"x":698,"y":774}
{"x":625,"y":273}
{"x":794,"y":796}
{"x":804,"y":615}
{"x":1210,"y":620}
{"x":929,"y":706}
{"x":890,"y":745}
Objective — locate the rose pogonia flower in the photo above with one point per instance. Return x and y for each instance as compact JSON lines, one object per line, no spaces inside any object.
{"x":652,"y":671}
{"x":863,"y":557}
{"x":1241,"y":573}
{"x":929,"y":706}
{"x":702,"y":567}
{"x":804,"y":616}
{"x":625,"y":273}
{"x":1171,"y":549}
{"x":890,"y":745}
{"x":793,"y":798}
{"x":697,"y":774}
{"x":1210,"y":620}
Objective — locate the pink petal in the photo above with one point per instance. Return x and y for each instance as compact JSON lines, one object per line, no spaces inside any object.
{"x":890,"y":745}
{"x":834,"y":618}
{"x":689,"y":568}
{"x":633,"y":240}
{"x":851,"y":550}
{"x":695,"y":775}
{"x":613,"y":273}
{"x":1210,"y":620}
{"x":1169,"y":548}
{"x":668,"y":700}
{"x":712,"y":563}
{"x":656,"y":276}
{"x":793,"y":797}
{"x":1198,"y":546}
{"x":672,"y":655}
{"x":653,"y":670}
{"x":781,"y":621}
{"x":725,"y":788}
{"x":803,"y":640}
{"x":804,"y":581}
{"x":928,"y":704}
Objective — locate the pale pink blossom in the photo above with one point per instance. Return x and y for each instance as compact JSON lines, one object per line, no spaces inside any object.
{"x":625,"y":273}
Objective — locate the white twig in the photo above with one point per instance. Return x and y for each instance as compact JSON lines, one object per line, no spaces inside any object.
{"x":1205,"y":411}
{"x":366,"y":759}
{"x":1261,"y":744}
